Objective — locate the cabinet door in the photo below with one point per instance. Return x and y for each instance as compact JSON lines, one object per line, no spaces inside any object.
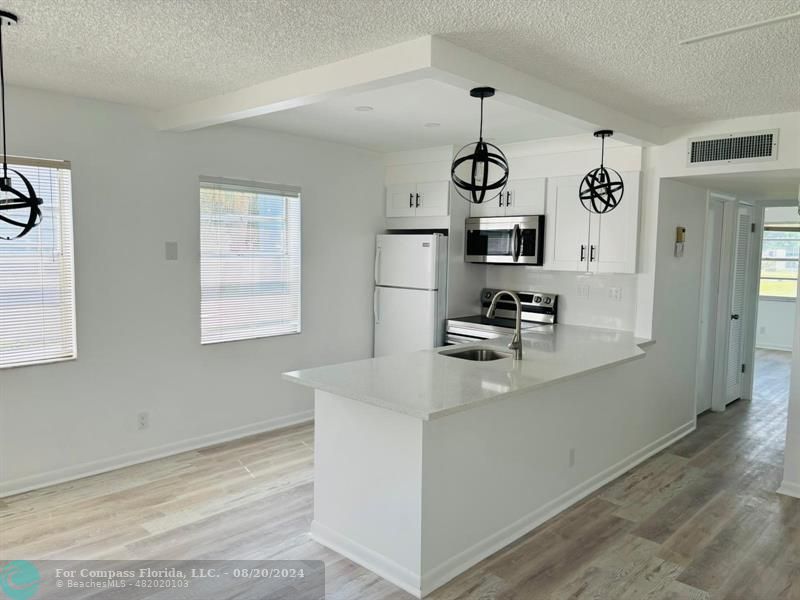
{"x":615,"y":235}
{"x":400,"y":200}
{"x":492,"y":208}
{"x":527,"y":197}
{"x":566,"y":226}
{"x":434,"y":200}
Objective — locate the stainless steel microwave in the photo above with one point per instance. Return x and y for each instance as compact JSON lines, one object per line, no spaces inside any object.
{"x":505,"y":240}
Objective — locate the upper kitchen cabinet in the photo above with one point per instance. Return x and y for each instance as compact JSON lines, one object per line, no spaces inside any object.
{"x":577,"y":240}
{"x":426,"y":199}
{"x":520,"y":197}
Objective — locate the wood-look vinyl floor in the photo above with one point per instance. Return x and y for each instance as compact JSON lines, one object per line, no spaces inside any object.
{"x":700,"y":520}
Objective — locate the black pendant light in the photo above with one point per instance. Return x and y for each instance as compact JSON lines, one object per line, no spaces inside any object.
{"x":19,"y":209}
{"x":602,"y":188}
{"x":480,"y":169}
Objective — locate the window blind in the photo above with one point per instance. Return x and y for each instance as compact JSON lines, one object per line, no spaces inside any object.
{"x":250,"y":260}
{"x":37,"y":282}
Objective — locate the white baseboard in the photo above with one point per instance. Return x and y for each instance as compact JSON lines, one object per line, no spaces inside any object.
{"x":459,"y":563}
{"x":789,"y":488}
{"x":33,"y":482}
{"x":369,"y":559}
{"x":773,"y":347}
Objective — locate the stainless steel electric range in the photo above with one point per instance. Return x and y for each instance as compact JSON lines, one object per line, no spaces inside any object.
{"x":539,"y":314}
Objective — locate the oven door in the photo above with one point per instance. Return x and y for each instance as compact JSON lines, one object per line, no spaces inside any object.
{"x":505,"y":240}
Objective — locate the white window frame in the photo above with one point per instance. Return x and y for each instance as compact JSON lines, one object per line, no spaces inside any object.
{"x":763,"y":258}
{"x":289,"y":193}
{"x":66,"y":222}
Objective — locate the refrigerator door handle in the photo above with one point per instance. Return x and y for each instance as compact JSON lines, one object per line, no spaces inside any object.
{"x":377,"y":264}
{"x":375,"y":309}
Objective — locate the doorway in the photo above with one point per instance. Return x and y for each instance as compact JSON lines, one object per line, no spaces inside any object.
{"x":727,"y":307}
{"x":779,"y":260}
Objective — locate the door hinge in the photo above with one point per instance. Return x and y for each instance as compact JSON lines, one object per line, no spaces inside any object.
{"x":752,"y":227}
{"x":743,"y":368}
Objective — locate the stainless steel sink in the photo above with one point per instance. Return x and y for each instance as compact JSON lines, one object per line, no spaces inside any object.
{"x":478,"y":354}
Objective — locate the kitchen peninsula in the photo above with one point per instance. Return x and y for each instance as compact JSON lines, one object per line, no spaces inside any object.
{"x":426,"y":463}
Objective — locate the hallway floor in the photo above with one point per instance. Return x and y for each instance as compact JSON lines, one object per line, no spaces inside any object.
{"x":700,"y":520}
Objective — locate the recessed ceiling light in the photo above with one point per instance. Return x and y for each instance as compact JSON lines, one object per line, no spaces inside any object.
{"x":364,"y":108}
{"x":432,"y":124}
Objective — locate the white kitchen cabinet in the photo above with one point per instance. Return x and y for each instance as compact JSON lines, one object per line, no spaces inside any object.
{"x":427,"y":199}
{"x":520,"y":197}
{"x":566,"y":226}
{"x":576,"y":240}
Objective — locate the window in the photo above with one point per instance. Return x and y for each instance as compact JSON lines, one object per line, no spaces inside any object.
{"x":37,"y":282}
{"x":249,"y":260}
{"x":780,"y":253}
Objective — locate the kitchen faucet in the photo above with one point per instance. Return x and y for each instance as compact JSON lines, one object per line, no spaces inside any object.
{"x":516,"y":341}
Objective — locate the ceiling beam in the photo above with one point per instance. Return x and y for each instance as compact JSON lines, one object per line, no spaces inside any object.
{"x":422,"y":58}
{"x":464,"y":68}
{"x":387,"y":66}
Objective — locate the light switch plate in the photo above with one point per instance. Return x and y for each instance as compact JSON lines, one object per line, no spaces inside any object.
{"x":171,"y":250}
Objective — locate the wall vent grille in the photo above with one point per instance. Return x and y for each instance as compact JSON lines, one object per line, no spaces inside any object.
{"x":734,"y":147}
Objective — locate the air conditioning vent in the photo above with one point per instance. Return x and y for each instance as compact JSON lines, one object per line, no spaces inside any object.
{"x":734,"y":147}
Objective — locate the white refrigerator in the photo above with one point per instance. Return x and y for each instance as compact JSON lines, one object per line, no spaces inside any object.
{"x":410,"y":297}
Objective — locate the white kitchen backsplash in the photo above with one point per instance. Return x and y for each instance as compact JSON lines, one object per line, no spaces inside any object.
{"x":593,"y":300}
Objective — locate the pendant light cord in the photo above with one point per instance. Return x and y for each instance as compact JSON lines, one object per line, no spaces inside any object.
{"x":3,"y":103}
{"x":602,"y":150}
{"x":480,"y":133}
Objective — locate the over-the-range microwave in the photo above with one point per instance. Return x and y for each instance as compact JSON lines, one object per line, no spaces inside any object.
{"x":505,"y":240}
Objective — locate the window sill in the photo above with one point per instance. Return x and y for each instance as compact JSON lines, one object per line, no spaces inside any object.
{"x":777,"y":298}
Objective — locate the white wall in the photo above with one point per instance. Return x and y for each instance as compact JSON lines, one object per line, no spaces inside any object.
{"x":791,"y":465}
{"x":669,"y":160}
{"x":138,"y":316}
{"x":775,"y":329}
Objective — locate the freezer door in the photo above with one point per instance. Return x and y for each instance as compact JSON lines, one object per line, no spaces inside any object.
{"x":405,"y":320}
{"x":407,"y":261}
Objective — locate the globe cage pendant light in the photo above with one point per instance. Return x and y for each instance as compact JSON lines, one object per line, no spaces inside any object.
{"x":480,"y":169}
{"x":21,"y":210}
{"x":602,"y":188}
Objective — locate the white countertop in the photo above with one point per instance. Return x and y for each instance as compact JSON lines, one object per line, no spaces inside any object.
{"x":428,"y":385}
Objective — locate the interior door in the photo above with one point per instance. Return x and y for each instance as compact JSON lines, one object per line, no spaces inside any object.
{"x":566,"y":226}
{"x":741,"y":255}
{"x":405,"y":320}
{"x":400,"y":200}
{"x":707,"y":340}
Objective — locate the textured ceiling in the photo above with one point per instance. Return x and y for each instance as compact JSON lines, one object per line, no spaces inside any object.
{"x":160,"y":53}
{"x":400,"y":114}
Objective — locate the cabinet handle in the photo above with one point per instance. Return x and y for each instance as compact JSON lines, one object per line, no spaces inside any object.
{"x":592,"y":248}
{"x":411,"y":201}
{"x":500,"y":202}
{"x":508,"y":198}
{"x":417,"y":200}
{"x":583,"y":252}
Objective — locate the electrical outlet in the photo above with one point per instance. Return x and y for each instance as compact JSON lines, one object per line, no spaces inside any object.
{"x":143,"y":420}
{"x":583,"y":290}
{"x":572,"y":457}
{"x":615,"y":294}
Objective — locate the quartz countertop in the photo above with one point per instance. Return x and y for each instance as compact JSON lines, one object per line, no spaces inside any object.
{"x":427,"y":384}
